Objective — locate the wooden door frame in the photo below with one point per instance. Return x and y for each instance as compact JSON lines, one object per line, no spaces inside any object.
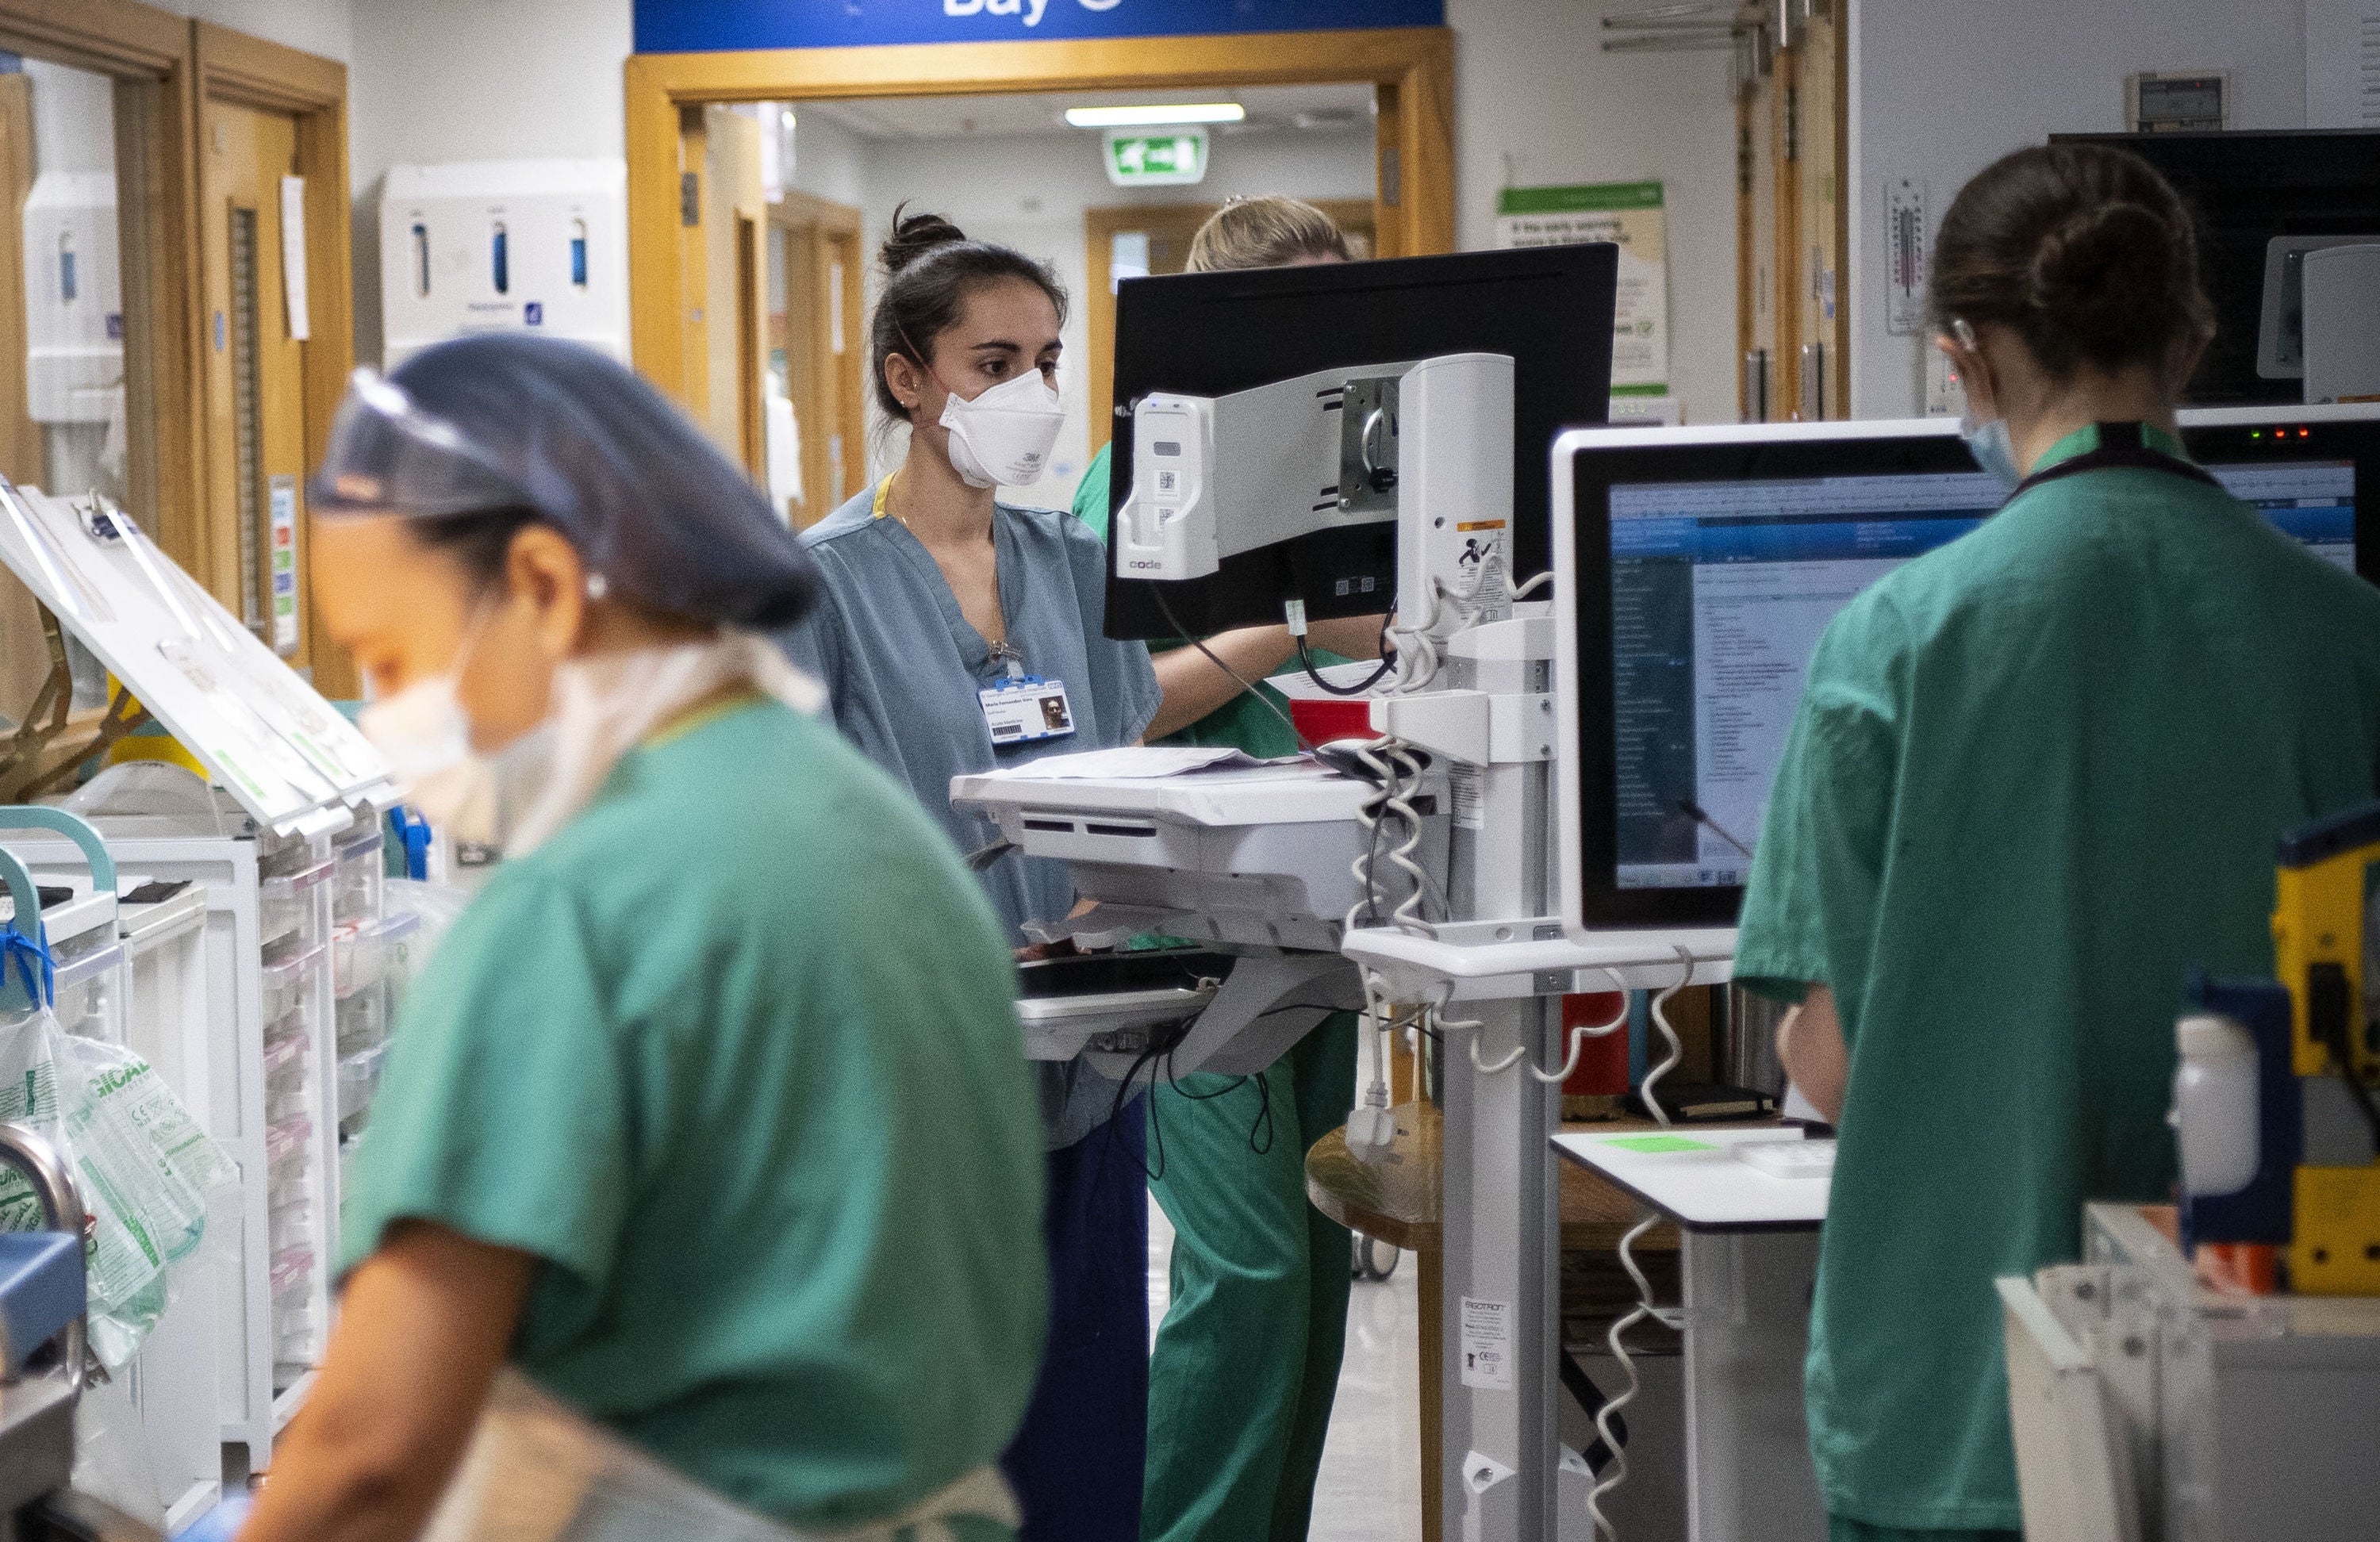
{"x":1411,"y":69}
{"x":249,"y":72}
{"x":752,"y":342}
{"x":130,"y":41}
{"x":800,"y":214}
{"x":20,"y":437}
{"x":1099,"y":226}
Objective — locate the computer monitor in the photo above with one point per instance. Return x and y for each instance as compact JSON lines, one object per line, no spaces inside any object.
{"x":1204,"y":335}
{"x":1696,"y":567}
{"x":2264,"y":197}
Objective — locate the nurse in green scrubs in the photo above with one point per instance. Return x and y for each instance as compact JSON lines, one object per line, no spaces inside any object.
{"x":1246,"y":1361}
{"x":2035,"y":778}
{"x":708,"y":1117}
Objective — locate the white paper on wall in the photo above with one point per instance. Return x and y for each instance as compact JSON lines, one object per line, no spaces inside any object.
{"x":2342,"y":39}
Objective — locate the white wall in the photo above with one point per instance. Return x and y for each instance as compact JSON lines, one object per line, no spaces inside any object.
{"x":1538,"y":104}
{"x":830,"y":161}
{"x":472,"y":79}
{"x":1941,"y":90}
{"x":325,"y":26}
{"x":1030,"y":194}
{"x":434,"y":80}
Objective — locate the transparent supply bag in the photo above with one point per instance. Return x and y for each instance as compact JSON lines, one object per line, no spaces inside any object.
{"x":143,"y":1167}
{"x":536,"y":1471}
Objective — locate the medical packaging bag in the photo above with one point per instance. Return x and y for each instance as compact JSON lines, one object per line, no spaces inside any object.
{"x":142,"y":1164}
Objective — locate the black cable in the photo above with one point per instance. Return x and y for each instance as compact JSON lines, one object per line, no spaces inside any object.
{"x":1387,"y":663}
{"x":1165,"y":608}
{"x":1264,"y":1118}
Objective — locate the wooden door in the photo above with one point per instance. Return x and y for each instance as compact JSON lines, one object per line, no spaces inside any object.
{"x":735,"y":212}
{"x":256,"y":379}
{"x":1821,"y":289}
{"x":24,"y":655}
{"x":1757,"y":248}
{"x":1798,"y":224}
{"x":1158,"y":237}
{"x":1784,"y":262}
{"x":817,"y":346}
{"x":20,"y":440}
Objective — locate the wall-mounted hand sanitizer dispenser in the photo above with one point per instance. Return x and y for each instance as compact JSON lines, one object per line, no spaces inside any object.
{"x":504,"y":245}
{"x":74,"y":307}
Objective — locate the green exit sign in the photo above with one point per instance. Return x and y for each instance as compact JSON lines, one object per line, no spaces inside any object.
{"x":1141,"y":158}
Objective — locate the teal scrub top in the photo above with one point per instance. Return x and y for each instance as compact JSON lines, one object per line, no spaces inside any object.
{"x":1243,"y":722}
{"x":2035,"y":778}
{"x":903,"y":668}
{"x":733,"y":1055}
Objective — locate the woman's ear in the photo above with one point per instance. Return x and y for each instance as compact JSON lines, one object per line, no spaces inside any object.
{"x":906,"y":382}
{"x":1967,"y":368}
{"x":544,"y":568}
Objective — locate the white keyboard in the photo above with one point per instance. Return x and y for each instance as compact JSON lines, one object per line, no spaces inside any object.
{"x":1790,"y":1158}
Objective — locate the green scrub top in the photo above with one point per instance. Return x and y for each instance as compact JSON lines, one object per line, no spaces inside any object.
{"x":1243,"y":722}
{"x":733,"y":1055}
{"x":2035,"y":778}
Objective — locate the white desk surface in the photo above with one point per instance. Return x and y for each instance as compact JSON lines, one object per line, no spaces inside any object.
{"x":1707,"y":1187}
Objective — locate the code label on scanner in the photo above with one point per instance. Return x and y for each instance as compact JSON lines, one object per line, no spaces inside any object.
{"x":1487,"y":1344}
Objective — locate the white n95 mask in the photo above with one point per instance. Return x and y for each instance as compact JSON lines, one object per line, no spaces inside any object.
{"x":1003,"y":437}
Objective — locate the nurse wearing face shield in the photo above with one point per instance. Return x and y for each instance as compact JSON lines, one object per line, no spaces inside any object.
{"x":955,"y":631}
{"x":686,"y":1149}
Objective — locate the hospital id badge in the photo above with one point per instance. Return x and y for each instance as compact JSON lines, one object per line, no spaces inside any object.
{"x":1027,"y":710}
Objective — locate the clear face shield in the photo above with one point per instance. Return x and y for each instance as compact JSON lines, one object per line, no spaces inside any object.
{"x":387,"y":455}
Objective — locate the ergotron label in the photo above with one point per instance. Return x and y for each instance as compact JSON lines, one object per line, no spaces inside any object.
{"x":1487,"y":1344}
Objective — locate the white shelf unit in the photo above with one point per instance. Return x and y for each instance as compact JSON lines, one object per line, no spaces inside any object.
{"x":268,"y":933}
{"x":174,"y":1380}
{"x":135,"y":975}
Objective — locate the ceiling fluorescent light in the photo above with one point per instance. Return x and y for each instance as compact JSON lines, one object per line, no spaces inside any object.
{"x":1162,"y":113}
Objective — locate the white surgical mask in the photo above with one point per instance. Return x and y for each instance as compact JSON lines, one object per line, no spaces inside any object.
{"x":425,"y":736}
{"x":1993,"y":450}
{"x":1003,"y":438}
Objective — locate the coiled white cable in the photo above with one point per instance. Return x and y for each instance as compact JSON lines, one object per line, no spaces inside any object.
{"x":1579,"y":1035}
{"x":1647,"y":1309}
{"x":1616,"y":1471}
{"x":1581,"y":1032}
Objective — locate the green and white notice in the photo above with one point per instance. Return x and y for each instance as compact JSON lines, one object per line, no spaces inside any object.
{"x":1629,"y":214}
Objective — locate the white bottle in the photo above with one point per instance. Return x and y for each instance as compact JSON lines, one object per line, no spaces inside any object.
{"x":2214,"y":1110}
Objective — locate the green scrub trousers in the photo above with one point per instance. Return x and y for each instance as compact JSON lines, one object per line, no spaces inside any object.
{"x":1246,"y":1361}
{"x":1247,"y":1358}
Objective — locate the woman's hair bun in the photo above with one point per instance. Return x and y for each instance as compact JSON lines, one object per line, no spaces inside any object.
{"x":913,"y":236}
{"x":2107,"y":272}
{"x":2083,"y":250}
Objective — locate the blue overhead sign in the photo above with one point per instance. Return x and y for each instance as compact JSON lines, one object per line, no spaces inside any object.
{"x":705,"y":25}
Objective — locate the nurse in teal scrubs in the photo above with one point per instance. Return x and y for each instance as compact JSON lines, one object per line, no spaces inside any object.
{"x":1246,"y":1361}
{"x":2036,"y":777}
{"x":710,"y":1117}
{"x":957,"y":633}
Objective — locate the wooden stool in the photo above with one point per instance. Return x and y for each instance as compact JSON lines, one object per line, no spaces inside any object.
{"x":1402,"y":1200}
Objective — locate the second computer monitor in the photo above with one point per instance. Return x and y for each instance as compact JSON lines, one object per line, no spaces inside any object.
{"x":1697,"y":567}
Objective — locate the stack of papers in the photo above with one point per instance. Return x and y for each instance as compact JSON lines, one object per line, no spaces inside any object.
{"x":1146,"y":762}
